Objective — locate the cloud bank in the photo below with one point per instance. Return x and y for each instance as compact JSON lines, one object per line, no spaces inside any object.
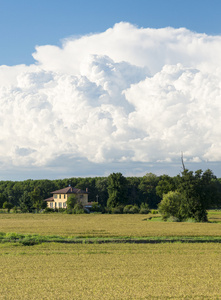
{"x":128,"y":95}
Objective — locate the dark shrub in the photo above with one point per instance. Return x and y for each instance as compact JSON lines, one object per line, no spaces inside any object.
{"x":134,"y":209}
{"x":117,"y":210}
{"x":78,"y":209}
{"x":144,"y":208}
{"x":127,"y":208}
{"x":95,"y":207}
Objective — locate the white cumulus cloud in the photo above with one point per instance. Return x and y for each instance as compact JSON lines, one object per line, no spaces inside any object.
{"x":127,"y":95}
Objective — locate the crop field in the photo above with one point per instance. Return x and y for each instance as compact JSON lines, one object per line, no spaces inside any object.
{"x":97,"y":225}
{"x":114,"y":270}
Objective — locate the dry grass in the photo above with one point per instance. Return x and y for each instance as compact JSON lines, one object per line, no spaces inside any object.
{"x":108,"y":271}
{"x":102,"y":225}
{"x":55,"y":271}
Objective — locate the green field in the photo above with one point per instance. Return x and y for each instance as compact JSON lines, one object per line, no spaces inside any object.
{"x":109,"y":271}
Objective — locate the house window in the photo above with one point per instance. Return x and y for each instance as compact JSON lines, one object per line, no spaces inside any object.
{"x":55,"y":204}
{"x":55,"y":196}
{"x":60,"y":204}
{"x":81,"y":196}
{"x":59,"y":196}
{"x":51,"y":204}
{"x":64,"y":196}
{"x":64,"y":205}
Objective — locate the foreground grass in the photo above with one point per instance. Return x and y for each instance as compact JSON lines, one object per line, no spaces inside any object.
{"x":110,"y":271}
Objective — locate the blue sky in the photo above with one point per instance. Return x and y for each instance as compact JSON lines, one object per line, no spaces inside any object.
{"x":91,"y":87}
{"x":27,"y":23}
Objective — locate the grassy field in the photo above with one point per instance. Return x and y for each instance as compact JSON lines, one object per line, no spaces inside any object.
{"x":97,"y":225}
{"x":109,"y":271}
{"x":114,"y":271}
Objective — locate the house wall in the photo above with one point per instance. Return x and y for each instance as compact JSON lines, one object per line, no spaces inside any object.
{"x":60,"y":200}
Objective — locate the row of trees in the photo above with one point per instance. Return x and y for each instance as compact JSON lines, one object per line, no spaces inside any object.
{"x":195,"y":192}
{"x":29,"y":194}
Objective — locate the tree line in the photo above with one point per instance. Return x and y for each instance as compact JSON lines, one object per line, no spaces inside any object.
{"x":132,"y":190}
{"x":199,"y":189}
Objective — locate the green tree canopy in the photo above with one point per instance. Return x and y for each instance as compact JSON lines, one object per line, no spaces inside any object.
{"x":195,"y":193}
{"x":117,"y":190}
{"x":165,"y":185}
{"x":173,"y":205}
{"x":200,"y":192}
{"x":37,"y":199}
{"x":71,"y":202}
{"x":101,"y":191}
{"x":7,"y":205}
{"x":148,"y":186}
{"x":2,"y":199}
{"x":25,"y":203}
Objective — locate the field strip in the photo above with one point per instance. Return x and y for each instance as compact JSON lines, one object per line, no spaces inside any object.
{"x":33,"y":239}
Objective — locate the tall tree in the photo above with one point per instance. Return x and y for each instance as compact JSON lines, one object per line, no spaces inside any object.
{"x":165,"y":185}
{"x":101,"y":191}
{"x":148,"y":186}
{"x":25,"y":203}
{"x":37,"y":199}
{"x":134,"y":195}
{"x":2,"y":199}
{"x":200,"y":192}
{"x":117,"y":190}
{"x":71,"y":202}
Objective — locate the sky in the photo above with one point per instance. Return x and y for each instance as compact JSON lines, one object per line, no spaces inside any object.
{"x":88,"y":88}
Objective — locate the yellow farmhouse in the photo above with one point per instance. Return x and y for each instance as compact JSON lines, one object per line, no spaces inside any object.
{"x":59,"y":198}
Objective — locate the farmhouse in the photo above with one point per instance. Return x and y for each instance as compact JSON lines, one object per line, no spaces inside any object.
{"x":59,"y":198}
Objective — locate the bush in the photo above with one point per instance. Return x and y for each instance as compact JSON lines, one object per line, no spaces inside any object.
{"x":95,"y":207}
{"x":154,"y":212}
{"x":15,"y":210}
{"x":173,"y":205}
{"x":71,"y":201}
{"x":144,"y":208}
{"x":117,"y":210}
{"x":7,"y":205}
{"x":173,"y":219}
{"x":127,"y":208}
{"x":131,"y":209}
{"x":107,"y":210}
{"x":78,"y":209}
{"x":134,"y":209}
